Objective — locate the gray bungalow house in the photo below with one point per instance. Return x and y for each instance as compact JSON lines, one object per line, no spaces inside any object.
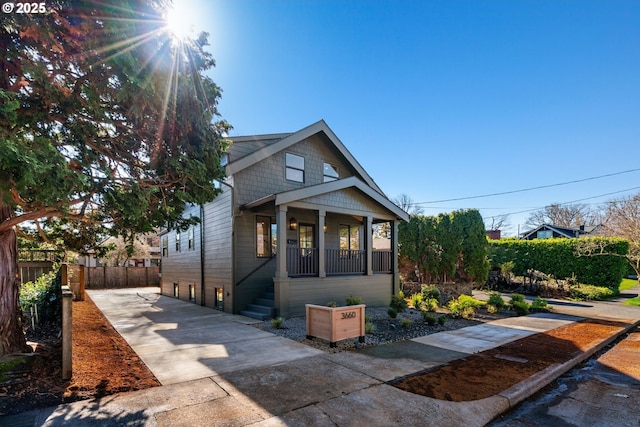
{"x":292,"y":226}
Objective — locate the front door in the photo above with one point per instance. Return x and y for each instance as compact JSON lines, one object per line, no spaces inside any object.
{"x":308,"y":252}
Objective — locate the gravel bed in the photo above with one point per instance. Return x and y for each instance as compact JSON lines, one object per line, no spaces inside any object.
{"x":386,"y":329}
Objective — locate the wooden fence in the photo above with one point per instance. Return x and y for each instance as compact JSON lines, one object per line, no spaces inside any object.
{"x":121,"y":277}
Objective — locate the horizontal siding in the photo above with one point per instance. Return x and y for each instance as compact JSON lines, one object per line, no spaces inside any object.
{"x":183,"y":266}
{"x":218,"y":223}
{"x":375,"y":291}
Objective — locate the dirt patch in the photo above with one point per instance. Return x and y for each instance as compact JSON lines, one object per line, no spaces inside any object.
{"x":490,"y":372}
{"x":103,"y":364}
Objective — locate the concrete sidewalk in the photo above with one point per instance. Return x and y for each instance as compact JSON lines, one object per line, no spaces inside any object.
{"x":218,"y":370}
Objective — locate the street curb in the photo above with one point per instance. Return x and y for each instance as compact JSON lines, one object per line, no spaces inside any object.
{"x":525,"y":389}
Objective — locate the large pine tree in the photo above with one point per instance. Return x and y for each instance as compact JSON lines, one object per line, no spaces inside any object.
{"x":108,"y":126}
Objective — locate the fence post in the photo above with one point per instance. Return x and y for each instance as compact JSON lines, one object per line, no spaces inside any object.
{"x":82,"y":284}
{"x":63,"y":275}
{"x":67,"y":318}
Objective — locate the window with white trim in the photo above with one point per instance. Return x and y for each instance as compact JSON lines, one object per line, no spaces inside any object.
{"x":165,"y":246}
{"x":192,"y":244}
{"x":294,"y":167}
{"x":329,"y":172}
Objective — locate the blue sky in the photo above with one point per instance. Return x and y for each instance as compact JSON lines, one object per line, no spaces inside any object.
{"x":444,"y":99}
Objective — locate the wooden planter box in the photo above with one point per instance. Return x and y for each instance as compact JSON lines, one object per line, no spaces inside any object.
{"x":335,"y":323}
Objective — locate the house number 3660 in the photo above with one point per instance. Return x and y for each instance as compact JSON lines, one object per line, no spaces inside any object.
{"x":349,"y":315}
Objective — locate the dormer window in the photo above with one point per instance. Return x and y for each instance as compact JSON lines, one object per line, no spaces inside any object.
{"x":329,"y":172}
{"x":294,"y":167}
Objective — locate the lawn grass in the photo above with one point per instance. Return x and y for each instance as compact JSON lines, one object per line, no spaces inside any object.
{"x":633,"y":301}
{"x":628,"y":284}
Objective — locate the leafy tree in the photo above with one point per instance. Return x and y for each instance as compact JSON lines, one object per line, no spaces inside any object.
{"x":106,"y":128}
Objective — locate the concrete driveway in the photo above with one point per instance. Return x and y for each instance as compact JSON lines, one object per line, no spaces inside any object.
{"x":181,"y":342}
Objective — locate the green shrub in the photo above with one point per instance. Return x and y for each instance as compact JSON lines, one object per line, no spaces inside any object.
{"x":392,"y":312}
{"x":496,"y":300}
{"x":369,"y":328}
{"x":429,"y":318}
{"x":465,"y":306}
{"x":506,"y":268}
{"x":416,"y":301}
{"x":277,"y":323}
{"x":431,"y":304}
{"x":405,"y":323}
{"x":517,"y":298}
{"x":45,"y":292}
{"x":590,"y":292}
{"x":442,"y":320}
{"x":351,"y":300}
{"x":429,"y":292}
{"x":520,"y":307}
{"x":492,"y":308}
{"x":398,"y":302}
{"x":563,"y":258}
{"x":332,"y":304}
{"x":539,"y":303}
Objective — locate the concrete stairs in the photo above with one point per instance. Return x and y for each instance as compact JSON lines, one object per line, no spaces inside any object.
{"x":263,"y":307}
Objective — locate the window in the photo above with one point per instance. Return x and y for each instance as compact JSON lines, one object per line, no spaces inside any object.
{"x":192,"y":244}
{"x":165,"y":246}
{"x":349,"y":237}
{"x":263,"y":237}
{"x":177,"y":241}
{"x":295,"y":167}
{"x":544,"y":234}
{"x":329,"y":172}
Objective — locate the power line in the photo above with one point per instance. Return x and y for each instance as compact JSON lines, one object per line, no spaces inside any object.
{"x":529,"y":189}
{"x":568,"y":203}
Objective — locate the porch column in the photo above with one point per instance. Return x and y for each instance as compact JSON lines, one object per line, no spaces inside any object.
{"x":322,"y":271}
{"x":281,"y":280}
{"x":281,"y":244}
{"x":394,"y":256}
{"x":368,"y":233}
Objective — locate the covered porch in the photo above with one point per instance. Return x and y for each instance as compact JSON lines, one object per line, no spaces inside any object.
{"x":330,"y":241}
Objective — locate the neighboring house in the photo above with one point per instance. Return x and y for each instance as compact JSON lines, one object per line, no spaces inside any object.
{"x":146,"y":253}
{"x":547,"y":231}
{"x":292,"y":226}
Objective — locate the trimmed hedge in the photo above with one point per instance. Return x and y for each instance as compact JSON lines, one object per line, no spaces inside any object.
{"x":559,"y":258}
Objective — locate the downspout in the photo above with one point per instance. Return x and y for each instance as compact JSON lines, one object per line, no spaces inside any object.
{"x":233,"y":241}
{"x":202,"y":253}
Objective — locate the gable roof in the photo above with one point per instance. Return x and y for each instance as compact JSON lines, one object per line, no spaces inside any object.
{"x":328,"y":187}
{"x":568,"y":232}
{"x":291,"y":139}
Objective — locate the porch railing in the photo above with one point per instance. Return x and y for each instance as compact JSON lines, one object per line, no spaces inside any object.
{"x":382,"y":261}
{"x":345,"y":261}
{"x":302,"y":261}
